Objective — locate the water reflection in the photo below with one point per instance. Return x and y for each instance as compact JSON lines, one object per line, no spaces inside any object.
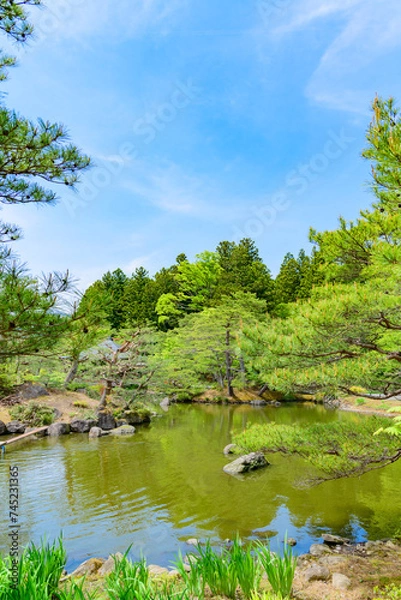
{"x":166,"y":484}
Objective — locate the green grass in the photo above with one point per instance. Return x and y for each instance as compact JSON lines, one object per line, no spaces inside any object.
{"x":280,"y":570}
{"x":233,"y":572}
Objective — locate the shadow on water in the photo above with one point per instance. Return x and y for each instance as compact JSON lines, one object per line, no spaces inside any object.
{"x":166,"y":484}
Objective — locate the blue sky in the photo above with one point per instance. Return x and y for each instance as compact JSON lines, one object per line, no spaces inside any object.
{"x":207,"y":121}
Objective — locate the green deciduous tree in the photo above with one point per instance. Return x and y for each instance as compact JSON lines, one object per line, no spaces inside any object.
{"x":206,"y":348}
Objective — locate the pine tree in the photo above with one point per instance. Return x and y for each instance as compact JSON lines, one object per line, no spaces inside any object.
{"x":30,"y":152}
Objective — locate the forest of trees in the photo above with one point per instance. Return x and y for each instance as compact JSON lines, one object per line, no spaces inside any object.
{"x":329,"y":323}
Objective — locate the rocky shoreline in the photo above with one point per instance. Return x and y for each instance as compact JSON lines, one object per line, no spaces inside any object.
{"x":332,"y":570}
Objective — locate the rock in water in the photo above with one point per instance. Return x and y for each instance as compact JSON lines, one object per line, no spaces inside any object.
{"x":56,"y":429}
{"x":229,"y":449}
{"x":123,"y":430}
{"x":15,"y":427}
{"x":96,"y":432}
{"x":333,"y":540}
{"x":3,"y":428}
{"x":106,"y":421}
{"x":82,"y":425}
{"x":245,"y":463}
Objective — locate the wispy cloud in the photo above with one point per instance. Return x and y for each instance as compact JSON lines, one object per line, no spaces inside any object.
{"x":368,"y":30}
{"x":125,"y":18}
{"x":173,"y":190}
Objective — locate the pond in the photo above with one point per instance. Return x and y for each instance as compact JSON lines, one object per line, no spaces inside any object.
{"x":166,"y":484}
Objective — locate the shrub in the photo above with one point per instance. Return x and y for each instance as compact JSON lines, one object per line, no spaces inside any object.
{"x":33,"y":414}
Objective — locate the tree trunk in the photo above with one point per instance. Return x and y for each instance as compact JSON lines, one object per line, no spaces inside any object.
{"x":73,"y":372}
{"x":229,"y":375}
{"x":263,"y":389}
{"x":106,"y":392}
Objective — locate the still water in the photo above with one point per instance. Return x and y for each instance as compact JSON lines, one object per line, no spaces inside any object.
{"x":164,"y":485}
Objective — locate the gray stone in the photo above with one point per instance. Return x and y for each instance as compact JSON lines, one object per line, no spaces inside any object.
{"x":248,"y":462}
{"x":229,"y":449}
{"x":90,"y":566}
{"x":334,"y":539}
{"x":108,"y":566}
{"x":106,"y":421}
{"x":258,"y":402}
{"x":157,"y":571}
{"x":165,"y":403}
{"x":317,"y":573}
{"x":82,"y":425}
{"x":134,"y":418}
{"x":340,"y":581}
{"x":390,"y":544}
{"x":332,"y":561}
{"x":319,"y":550}
{"x":15,"y":427}
{"x":3,"y":428}
{"x":123,"y":430}
{"x":292,"y":541}
{"x":192,"y":542}
{"x":41,"y":434}
{"x":120,"y":422}
{"x":174,"y":573}
{"x":56,"y":429}
{"x":373,"y":545}
{"x":30,"y":391}
{"x":96,"y":432}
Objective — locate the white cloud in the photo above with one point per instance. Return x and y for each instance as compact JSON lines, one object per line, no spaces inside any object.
{"x":174,"y":191}
{"x":122,"y":18}
{"x":369,"y":29}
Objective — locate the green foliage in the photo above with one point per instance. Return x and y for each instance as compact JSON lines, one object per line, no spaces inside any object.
{"x":33,"y":414}
{"x":390,"y":592}
{"x":30,"y":319}
{"x":222,"y":572}
{"x":30,"y":151}
{"x":128,"y":580}
{"x":280,"y":570}
{"x":336,"y":450}
{"x":207,"y":347}
{"x":39,"y":572}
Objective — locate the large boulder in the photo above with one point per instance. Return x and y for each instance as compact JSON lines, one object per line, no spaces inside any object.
{"x":123,"y":430}
{"x":89,"y":567}
{"x":3,"y":428}
{"x":105,"y":420}
{"x":334,"y":540}
{"x":108,"y":566}
{"x":340,"y":581}
{"x":245,"y":463}
{"x":31,"y":391}
{"x":317,"y":573}
{"x":96,"y":432}
{"x":82,"y":425}
{"x":136,"y":417}
{"x":15,"y":427}
{"x":56,"y":429}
